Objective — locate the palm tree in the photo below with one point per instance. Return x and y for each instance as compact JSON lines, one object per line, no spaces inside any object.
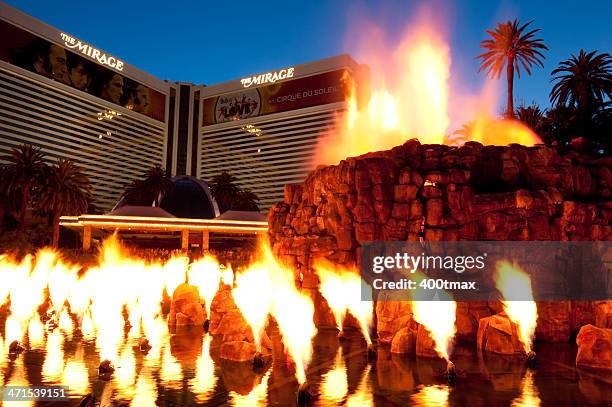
{"x":511,"y":46}
{"x":150,"y":189}
{"x":246,"y":200}
{"x":224,"y":189}
{"x":25,"y":168}
{"x":8,"y":200}
{"x":532,"y":116}
{"x":65,"y":190}
{"x":463,"y":134}
{"x":583,"y":82}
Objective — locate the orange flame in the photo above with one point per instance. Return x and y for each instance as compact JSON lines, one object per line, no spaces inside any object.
{"x":513,"y":282}
{"x":341,"y":288}
{"x":438,"y":315}
{"x":413,"y":97}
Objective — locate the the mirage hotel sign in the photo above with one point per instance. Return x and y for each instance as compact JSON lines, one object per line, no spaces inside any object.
{"x":92,"y":52}
{"x":269,"y":77}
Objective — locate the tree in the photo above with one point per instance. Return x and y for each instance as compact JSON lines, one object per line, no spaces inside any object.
{"x":155,"y":183}
{"x":511,"y":46}
{"x":25,"y":168}
{"x":533,"y":117}
{"x":246,"y":200}
{"x":8,"y":200}
{"x":224,"y":189}
{"x":65,"y":190}
{"x":583,"y":82}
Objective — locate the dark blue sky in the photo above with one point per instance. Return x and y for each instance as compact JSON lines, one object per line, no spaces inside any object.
{"x":214,"y":41}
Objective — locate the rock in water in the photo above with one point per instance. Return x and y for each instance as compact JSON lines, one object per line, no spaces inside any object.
{"x":15,"y":348}
{"x":144,"y":345}
{"x":498,"y":334}
{"x":304,"y":396}
{"x":594,"y":348}
{"x":105,"y":368}
{"x":185,"y":308}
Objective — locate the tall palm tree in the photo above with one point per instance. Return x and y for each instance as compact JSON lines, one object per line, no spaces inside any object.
{"x":65,"y":190}
{"x":224,"y":189}
{"x":150,"y":189}
{"x":512,"y":46}
{"x":25,"y":168}
{"x":583,"y":82}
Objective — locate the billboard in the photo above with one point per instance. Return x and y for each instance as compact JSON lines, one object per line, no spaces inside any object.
{"x":84,"y":68}
{"x":293,"y":94}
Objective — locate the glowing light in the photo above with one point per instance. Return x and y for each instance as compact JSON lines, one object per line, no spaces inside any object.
{"x":341,"y":288}
{"x":513,"y":282}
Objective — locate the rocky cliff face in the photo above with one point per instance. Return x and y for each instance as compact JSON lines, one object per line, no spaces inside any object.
{"x":437,"y":192}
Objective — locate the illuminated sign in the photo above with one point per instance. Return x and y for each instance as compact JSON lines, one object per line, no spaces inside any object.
{"x":269,"y":77}
{"x":92,"y":52}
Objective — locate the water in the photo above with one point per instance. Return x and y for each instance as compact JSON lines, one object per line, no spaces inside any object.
{"x":184,"y":370}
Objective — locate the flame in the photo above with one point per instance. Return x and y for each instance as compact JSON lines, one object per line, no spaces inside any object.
{"x":413,"y":97}
{"x":513,"y":282}
{"x":205,"y":274}
{"x":253,"y":296}
{"x":438,"y":315}
{"x":293,"y":312}
{"x":410,"y":101}
{"x":341,"y":287}
{"x":499,"y":132}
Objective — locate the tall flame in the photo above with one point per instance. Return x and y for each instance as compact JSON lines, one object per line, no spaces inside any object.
{"x":413,"y":97}
{"x":438,"y":315}
{"x":341,"y":287}
{"x":253,"y":296}
{"x":513,"y":282}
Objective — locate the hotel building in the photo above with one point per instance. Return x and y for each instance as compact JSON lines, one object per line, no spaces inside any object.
{"x":78,"y":102}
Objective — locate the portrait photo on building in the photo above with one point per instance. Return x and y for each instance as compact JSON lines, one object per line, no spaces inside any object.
{"x":40,"y":56}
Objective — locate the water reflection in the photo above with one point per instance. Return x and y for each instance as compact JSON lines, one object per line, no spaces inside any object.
{"x":18,"y":377}
{"x":433,"y":395}
{"x":75,"y":374}
{"x":205,"y":380}
{"x":256,"y":397}
{"x":182,"y":368}
{"x":145,"y":392}
{"x":54,"y":357}
{"x":125,"y":373}
{"x":529,"y":392}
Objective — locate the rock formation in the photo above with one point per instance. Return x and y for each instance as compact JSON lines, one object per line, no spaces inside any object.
{"x":438,"y":192}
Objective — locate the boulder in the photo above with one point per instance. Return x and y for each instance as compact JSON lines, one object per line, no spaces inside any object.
{"x":594,"y":348}
{"x":185,"y":308}
{"x":498,"y":334}
{"x":425,"y":344}
{"x":404,"y":342}
{"x":238,"y":351}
